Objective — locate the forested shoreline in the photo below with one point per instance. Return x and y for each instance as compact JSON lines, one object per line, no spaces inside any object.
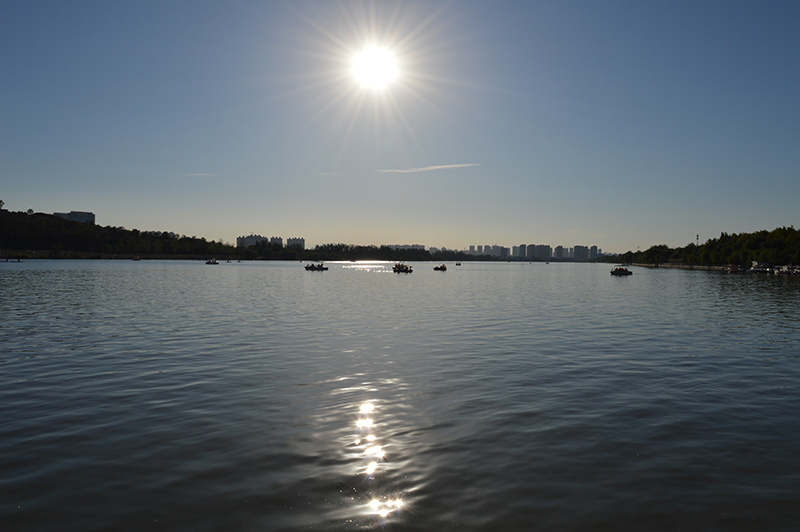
{"x":24,"y":235}
{"x":780,"y":246}
{"x":46,"y":236}
{"x":37,"y":235}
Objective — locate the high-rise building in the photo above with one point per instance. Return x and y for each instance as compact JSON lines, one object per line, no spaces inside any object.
{"x":540,"y":251}
{"x":247,"y":241}
{"x":581,"y":253}
{"x":296,"y":242}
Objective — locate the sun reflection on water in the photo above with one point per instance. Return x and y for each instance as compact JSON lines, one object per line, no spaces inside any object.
{"x":380,"y":504}
{"x":384,"y":508}
{"x":380,"y":266}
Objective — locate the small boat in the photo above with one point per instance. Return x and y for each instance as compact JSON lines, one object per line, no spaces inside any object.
{"x":621,"y":271}
{"x":441,"y":268}
{"x":759,"y":267}
{"x":316,"y":268}
{"x":458,"y":264}
{"x":212,"y":261}
{"x":402,"y":268}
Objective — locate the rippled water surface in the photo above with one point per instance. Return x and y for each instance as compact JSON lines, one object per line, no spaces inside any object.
{"x":492,"y":396}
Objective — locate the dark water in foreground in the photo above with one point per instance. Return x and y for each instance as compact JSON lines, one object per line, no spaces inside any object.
{"x":258,"y":396}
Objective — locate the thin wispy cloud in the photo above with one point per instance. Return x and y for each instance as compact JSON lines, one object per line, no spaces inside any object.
{"x":428,"y":168}
{"x":199,"y":175}
{"x":570,"y":231}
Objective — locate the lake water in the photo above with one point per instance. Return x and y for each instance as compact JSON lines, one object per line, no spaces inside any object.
{"x":171,"y":395}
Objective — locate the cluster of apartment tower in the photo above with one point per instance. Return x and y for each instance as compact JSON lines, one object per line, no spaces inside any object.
{"x":538,"y":251}
{"x":252,"y":240}
{"x":523,"y":251}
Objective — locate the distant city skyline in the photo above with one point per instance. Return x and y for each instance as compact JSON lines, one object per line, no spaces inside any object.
{"x":533,"y":251}
{"x":618,"y":124}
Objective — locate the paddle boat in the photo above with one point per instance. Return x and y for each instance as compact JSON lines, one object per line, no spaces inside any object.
{"x":402,"y":268}
{"x":316,"y":267}
{"x":441,"y":268}
{"x":620,"y":271}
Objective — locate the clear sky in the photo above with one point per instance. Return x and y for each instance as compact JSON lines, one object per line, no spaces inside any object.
{"x":616,"y":124}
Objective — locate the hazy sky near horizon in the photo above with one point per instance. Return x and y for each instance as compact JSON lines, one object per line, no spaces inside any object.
{"x":616,"y":124}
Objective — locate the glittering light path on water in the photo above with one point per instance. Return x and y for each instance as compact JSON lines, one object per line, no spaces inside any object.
{"x":374,"y":457}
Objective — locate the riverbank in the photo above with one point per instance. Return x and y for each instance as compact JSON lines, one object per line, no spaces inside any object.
{"x":13,"y":255}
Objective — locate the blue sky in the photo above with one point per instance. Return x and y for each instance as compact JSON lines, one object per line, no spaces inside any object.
{"x":616,"y":124}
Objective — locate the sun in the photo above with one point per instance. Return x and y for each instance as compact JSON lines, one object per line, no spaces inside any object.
{"x":374,"y":67}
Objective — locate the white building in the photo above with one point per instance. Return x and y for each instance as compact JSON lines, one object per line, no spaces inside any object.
{"x":247,"y":241}
{"x":296,"y":242}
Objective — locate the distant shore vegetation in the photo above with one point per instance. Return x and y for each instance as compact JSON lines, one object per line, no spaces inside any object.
{"x":37,"y":235}
{"x":780,"y":246}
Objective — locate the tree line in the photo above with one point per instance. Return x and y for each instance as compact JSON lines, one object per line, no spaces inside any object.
{"x":780,"y":246}
{"x":43,"y":235}
{"x":50,"y":236}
